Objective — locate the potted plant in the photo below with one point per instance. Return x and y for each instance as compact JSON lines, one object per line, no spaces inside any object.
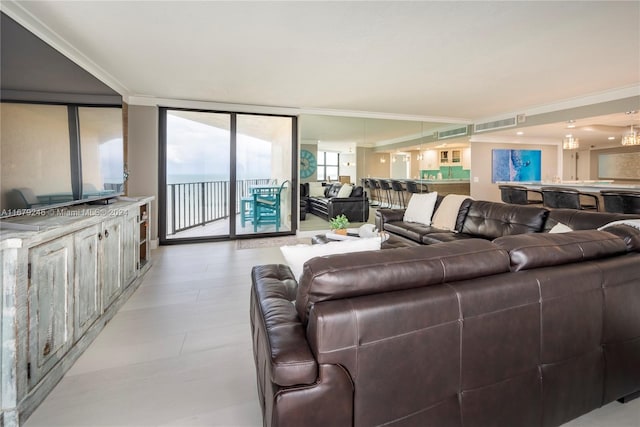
{"x":339,"y":224}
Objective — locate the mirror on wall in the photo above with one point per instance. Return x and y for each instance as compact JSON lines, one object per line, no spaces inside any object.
{"x":44,"y":164}
{"x":356,"y":150}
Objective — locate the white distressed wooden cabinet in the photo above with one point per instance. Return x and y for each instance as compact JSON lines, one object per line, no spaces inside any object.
{"x":63,"y":278}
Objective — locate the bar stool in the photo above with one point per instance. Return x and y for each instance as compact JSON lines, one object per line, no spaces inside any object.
{"x":386,"y":187}
{"x":627,"y":202}
{"x":375,"y":190}
{"x":366,"y":183}
{"x":414,"y":187}
{"x":518,"y":195}
{"x":399,"y":190}
{"x":567,"y":198}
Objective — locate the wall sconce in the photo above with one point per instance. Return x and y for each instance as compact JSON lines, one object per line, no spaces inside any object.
{"x":419,"y":157}
{"x":383,"y":160}
{"x":349,"y":164}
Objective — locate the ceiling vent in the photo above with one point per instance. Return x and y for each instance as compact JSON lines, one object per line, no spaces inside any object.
{"x":497,"y":124}
{"x":452,"y":133}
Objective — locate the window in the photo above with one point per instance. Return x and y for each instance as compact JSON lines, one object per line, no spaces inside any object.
{"x":328,"y":165}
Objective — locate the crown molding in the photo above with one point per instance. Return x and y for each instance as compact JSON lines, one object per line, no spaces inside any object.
{"x":571,"y":103}
{"x":15,"y":11}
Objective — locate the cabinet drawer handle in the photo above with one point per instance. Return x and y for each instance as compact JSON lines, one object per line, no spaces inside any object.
{"x":106,"y":233}
{"x":99,"y":236}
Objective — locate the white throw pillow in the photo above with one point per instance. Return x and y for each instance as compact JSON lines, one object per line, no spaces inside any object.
{"x":560,"y":228}
{"x":447,"y":213}
{"x":297,"y":255}
{"x":316,"y":189}
{"x":345,"y":190}
{"x":420,"y":208}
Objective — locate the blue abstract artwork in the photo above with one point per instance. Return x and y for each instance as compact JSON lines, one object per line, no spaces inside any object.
{"x":516,"y":165}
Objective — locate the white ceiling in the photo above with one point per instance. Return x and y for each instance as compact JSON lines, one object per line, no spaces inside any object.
{"x":437,"y":62}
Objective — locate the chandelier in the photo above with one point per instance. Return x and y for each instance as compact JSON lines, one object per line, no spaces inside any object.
{"x":570,"y":143}
{"x":631,"y":138}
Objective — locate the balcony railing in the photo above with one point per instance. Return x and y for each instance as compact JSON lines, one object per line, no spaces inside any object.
{"x":194,"y":204}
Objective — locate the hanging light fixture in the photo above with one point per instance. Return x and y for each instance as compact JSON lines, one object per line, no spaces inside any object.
{"x":570,"y":143}
{"x":631,"y":138}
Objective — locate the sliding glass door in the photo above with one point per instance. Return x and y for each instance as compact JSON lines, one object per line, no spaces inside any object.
{"x":264,"y":171}
{"x":225,"y":175}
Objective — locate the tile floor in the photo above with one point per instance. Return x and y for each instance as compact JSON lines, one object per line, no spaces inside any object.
{"x":179,"y":352}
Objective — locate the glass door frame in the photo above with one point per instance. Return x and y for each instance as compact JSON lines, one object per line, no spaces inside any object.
{"x":162,"y":179}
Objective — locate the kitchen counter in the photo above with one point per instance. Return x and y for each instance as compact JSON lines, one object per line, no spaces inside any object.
{"x":584,"y":186}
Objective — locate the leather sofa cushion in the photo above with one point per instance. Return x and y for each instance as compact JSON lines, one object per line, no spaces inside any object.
{"x":411,"y":230}
{"x":372,"y":272}
{"x":445,"y":236}
{"x":332,"y":190}
{"x":357,"y":191}
{"x":528,"y":251}
{"x":583,"y":220}
{"x":491,"y":220}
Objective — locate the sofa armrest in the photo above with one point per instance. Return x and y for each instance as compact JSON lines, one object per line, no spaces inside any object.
{"x":335,"y":200}
{"x":279,"y":339}
{"x":388,"y":215}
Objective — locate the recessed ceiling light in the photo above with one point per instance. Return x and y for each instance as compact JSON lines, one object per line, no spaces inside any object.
{"x":611,"y":138}
{"x":631,"y":112}
{"x":568,"y":135}
{"x":571,"y":126}
{"x":520,"y":133}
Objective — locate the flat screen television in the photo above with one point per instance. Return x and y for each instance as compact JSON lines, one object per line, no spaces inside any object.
{"x":57,"y":155}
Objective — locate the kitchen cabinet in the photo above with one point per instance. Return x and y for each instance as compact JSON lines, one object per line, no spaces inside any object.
{"x":450,"y":157}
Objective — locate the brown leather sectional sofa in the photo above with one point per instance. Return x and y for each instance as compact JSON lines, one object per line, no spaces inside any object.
{"x":526,"y":330}
{"x":490,"y":220}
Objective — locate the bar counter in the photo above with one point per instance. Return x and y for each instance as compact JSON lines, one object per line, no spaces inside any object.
{"x":583,"y":186}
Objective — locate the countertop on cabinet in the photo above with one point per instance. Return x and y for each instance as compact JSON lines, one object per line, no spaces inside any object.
{"x":48,"y":223}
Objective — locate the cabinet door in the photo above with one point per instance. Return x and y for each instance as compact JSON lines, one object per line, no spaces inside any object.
{"x":130,"y":245}
{"x":50,"y":305}
{"x":87,"y":279}
{"x":111,"y":261}
{"x":444,"y":157}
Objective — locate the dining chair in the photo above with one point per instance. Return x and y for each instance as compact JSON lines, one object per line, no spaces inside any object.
{"x":267,"y":206}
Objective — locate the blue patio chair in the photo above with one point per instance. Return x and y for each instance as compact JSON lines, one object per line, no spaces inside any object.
{"x":267,"y":206}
